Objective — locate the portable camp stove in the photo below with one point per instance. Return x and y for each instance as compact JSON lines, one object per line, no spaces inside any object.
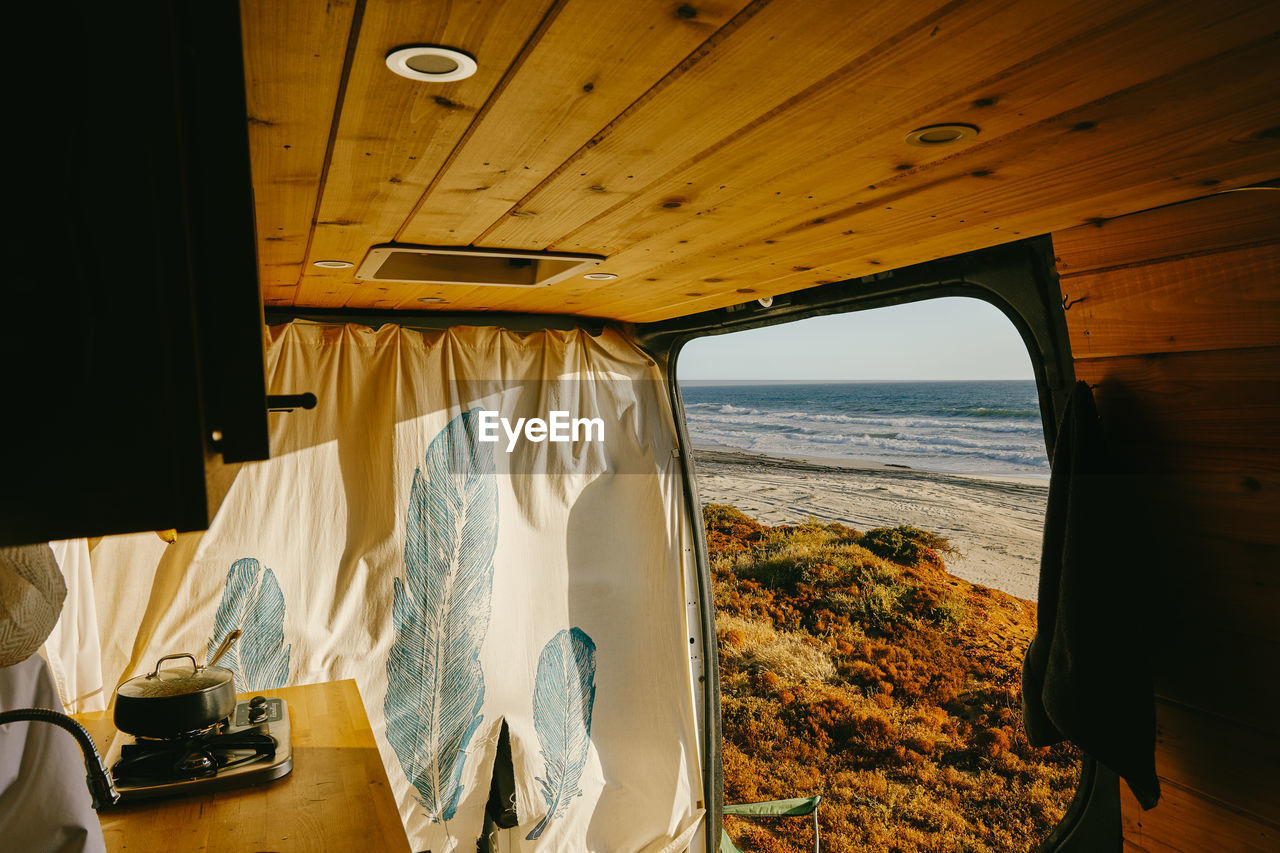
{"x":250,"y":747}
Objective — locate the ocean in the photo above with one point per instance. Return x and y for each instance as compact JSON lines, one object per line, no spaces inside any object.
{"x":973,"y":427}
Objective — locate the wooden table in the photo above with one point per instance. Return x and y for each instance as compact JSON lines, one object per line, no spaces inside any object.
{"x":336,"y":799}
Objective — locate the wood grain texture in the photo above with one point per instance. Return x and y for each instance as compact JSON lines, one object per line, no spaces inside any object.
{"x":395,"y":134}
{"x":336,"y":799}
{"x":1187,"y":392}
{"x":586,"y":69}
{"x":1218,"y":397}
{"x":1196,"y":433}
{"x":1213,"y":605}
{"x":293,"y":50}
{"x":766,"y":67}
{"x":1224,"y":300}
{"x":732,"y":149}
{"x":1222,"y":222}
{"x":1220,"y":759}
{"x":1185,"y":822}
{"x":1038,"y":180}
{"x":831,"y":195}
{"x":823,"y":188}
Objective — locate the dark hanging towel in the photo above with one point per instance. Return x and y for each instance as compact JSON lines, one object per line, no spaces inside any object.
{"x":1086,"y":677}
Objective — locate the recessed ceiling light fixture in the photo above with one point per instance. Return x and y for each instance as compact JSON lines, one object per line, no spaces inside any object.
{"x":431,"y":64}
{"x":600,"y":276}
{"x":432,"y":299}
{"x":333,"y":265}
{"x":941,"y":134}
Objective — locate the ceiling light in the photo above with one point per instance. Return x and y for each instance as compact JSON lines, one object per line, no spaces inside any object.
{"x":941,"y":134}
{"x":431,"y":64}
{"x":432,"y":299}
{"x":333,"y":265}
{"x":600,"y":276}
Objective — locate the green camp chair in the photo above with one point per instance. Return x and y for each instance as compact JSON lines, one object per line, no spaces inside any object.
{"x":774,"y":808}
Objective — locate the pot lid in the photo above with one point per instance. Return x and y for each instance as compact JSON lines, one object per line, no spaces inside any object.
{"x":175,"y":682}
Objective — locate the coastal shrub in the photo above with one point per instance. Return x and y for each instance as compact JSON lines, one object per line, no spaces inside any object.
{"x":881,"y":606}
{"x":856,"y":667}
{"x":729,"y":529}
{"x":758,"y":647}
{"x":773,"y":569}
{"x":906,"y":545}
{"x":948,"y":612}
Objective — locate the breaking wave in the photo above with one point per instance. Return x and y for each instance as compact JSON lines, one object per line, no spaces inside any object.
{"x":924,"y":425}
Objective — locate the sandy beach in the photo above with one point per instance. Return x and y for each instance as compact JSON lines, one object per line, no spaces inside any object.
{"x":994,"y":523}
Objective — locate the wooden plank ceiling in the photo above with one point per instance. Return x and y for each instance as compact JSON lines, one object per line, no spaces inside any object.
{"x":718,"y":151}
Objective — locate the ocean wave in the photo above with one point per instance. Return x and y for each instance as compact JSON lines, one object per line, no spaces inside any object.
{"x":931,"y":451}
{"x":983,"y":412}
{"x":965,"y":428}
{"x":951,"y":446}
{"x":774,"y":418}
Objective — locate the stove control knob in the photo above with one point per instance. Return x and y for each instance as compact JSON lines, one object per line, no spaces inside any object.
{"x":257,"y":701}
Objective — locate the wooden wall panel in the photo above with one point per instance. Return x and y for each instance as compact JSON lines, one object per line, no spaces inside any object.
{"x":1204,"y":302}
{"x":1188,"y":823}
{"x":1164,"y":233}
{"x":1235,"y":765}
{"x":1180,"y":334}
{"x":1213,"y":398}
{"x":1213,"y":613}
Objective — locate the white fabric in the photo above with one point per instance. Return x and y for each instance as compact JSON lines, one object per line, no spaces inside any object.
{"x":77,"y":670}
{"x":589,"y":536}
{"x":45,"y":806}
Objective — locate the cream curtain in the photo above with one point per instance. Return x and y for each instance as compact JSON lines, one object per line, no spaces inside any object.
{"x":545,"y":586}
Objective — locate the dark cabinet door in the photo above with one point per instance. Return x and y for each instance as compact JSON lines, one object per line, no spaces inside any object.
{"x":131,"y":363}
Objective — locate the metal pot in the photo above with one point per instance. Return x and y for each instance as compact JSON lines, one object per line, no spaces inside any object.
{"x":165,"y":703}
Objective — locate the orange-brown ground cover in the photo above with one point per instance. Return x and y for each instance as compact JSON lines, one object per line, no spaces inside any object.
{"x":853,"y":666}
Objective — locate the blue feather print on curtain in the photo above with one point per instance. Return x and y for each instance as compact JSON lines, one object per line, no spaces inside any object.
{"x":253,"y":603}
{"x":435,"y":685}
{"x":564,"y":692}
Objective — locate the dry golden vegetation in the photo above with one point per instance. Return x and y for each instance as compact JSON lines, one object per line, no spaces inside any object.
{"x":853,"y":666}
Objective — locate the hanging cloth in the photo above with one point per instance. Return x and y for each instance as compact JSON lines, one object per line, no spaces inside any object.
{"x":1086,"y":677}
{"x":462,"y":582}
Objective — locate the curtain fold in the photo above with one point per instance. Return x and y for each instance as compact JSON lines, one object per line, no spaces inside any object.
{"x":461,"y":582}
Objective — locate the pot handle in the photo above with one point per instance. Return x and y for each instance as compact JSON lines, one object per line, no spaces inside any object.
{"x":189,"y":657}
{"x":227,"y":643}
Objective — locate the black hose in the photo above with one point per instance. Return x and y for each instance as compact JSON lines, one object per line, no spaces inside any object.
{"x":101,"y":788}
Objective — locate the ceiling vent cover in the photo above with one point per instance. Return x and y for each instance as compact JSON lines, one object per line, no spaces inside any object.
{"x":470,"y":266}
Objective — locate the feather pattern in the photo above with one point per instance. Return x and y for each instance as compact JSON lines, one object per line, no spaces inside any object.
{"x":435,"y":684}
{"x":253,"y":603}
{"x":564,"y":692}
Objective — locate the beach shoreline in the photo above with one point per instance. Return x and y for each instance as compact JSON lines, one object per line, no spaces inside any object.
{"x":995,"y":522}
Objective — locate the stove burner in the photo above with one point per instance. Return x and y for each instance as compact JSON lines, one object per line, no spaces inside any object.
{"x":197,"y":763}
{"x":250,"y":747}
{"x":198,"y":757}
{"x":182,"y":736}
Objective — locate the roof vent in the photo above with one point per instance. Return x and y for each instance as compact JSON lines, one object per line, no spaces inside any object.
{"x":470,"y":266}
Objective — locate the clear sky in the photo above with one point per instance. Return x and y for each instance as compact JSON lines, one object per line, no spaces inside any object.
{"x":951,"y":338}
